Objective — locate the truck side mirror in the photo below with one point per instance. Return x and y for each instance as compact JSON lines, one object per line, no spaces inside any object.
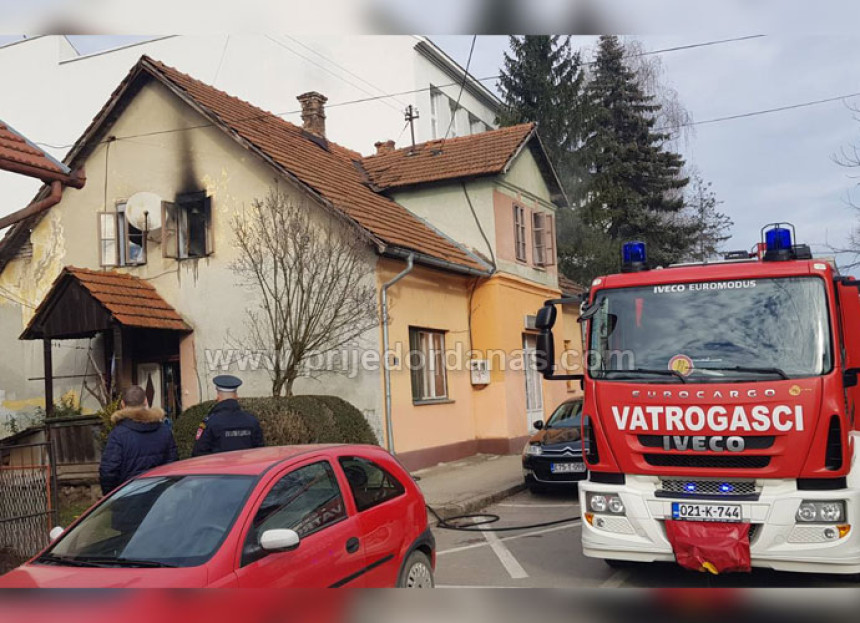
{"x":545,"y":352}
{"x":546,"y":317}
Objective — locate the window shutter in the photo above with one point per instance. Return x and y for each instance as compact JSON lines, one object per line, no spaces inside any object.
{"x":550,"y":240}
{"x":170,"y":233}
{"x":107,"y":239}
{"x":210,"y":234}
{"x":415,"y":363}
{"x":538,"y":239}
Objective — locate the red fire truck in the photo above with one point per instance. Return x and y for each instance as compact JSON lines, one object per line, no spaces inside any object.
{"x":719,"y":417}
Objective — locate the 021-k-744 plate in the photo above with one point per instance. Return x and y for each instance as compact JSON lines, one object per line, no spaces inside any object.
{"x":706,"y":512}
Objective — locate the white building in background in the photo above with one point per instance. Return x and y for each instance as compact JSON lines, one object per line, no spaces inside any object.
{"x":50,"y":93}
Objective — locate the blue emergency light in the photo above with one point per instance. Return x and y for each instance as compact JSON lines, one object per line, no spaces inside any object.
{"x":633,"y":257}
{"x":726,"y":488}
{"x":779,"y":244}
{"x":690,"y":487}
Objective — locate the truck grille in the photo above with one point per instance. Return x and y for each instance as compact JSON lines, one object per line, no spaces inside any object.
{"x":708,"y":487}
{"x":707,"y":461}
{"x":751,"y":442}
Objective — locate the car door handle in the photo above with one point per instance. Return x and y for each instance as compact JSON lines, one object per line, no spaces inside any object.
{"x":352,"y":545}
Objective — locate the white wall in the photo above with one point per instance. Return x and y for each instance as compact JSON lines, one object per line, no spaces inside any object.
{"x":50,"y":94}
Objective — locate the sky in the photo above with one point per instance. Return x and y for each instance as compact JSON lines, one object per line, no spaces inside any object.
{"x":768,"y":168}
{"x":764,"y":169}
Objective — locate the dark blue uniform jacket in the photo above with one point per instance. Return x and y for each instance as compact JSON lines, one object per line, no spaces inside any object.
{"x":139,"y":441}
{"x":226,"y":428}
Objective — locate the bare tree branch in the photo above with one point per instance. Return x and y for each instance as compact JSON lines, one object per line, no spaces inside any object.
{"x":314,"y":282}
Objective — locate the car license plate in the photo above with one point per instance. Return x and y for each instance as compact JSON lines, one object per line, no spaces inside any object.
{"x":567,"y":468}
{"x":706,"y":512}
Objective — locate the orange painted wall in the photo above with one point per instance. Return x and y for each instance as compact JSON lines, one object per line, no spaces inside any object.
{"x":428,"y":299}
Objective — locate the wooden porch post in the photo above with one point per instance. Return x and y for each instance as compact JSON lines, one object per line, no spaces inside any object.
{"x":49,"y":378}
{"x":119,"y":376}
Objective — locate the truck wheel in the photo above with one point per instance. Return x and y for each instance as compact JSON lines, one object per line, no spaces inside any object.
{"x":619,"y":564}
{"x":417,"y":572}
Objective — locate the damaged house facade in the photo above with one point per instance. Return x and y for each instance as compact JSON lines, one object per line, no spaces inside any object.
{"x":129,"y":277}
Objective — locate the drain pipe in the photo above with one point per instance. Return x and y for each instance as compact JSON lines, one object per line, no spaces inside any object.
{"x":389,"y":428}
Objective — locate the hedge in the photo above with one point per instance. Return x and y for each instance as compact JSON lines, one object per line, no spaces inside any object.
{"x":287,"y":421}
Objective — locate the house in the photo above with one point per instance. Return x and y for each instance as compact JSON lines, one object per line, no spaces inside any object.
{"x":380,"y":75}
{"x":467,"y":224}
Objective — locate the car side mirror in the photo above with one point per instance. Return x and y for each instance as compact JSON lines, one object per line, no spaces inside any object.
{"x":55,"y":533}
{"x":538,"y":424}
{"x":279,"y":540}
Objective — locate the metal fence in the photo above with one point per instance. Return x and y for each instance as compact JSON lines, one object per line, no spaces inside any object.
{"x":27,"y":502}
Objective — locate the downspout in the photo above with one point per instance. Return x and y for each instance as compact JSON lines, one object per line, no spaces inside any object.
{"x":35,"y":208}
{"x":389,"y":428}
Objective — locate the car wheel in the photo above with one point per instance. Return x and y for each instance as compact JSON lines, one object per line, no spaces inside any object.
{"x":535,"y":488}
{"x":417,"y":572}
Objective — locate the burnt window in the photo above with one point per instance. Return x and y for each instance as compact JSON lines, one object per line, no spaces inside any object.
{"x":188,"y":226}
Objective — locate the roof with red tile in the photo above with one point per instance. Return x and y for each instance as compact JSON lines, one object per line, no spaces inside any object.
{"x":131,"y":301}
{"x":569,"y":286}
{"x":19,"y":155}
{"x":487,"y":153}
{"x":330,"y":170}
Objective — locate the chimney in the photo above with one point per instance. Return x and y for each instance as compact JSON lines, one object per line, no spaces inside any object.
{"x":313,"y":112}
{"x":384,"y":147}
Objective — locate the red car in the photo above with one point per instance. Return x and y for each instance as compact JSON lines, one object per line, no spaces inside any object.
{"x":296,"y":516}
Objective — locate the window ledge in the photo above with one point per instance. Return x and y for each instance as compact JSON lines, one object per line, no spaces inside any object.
{"x":434,"y":401}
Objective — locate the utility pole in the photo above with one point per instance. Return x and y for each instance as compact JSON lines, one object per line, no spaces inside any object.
{"x":411,"y":115}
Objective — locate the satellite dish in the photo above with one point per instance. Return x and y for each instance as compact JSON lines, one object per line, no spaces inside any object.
{"x":143,"y":211}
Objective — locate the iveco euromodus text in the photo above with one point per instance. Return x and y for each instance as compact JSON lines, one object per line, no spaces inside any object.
{"x":724,"y":438}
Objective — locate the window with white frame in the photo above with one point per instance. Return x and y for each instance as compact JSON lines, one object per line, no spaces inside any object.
{"x":427,"y":365}
{"x":437,"y":102}
{"x":188,"y":227}
{"x":520,"y":232}
{"x":121,"y":243}
{"x":476,"y":126}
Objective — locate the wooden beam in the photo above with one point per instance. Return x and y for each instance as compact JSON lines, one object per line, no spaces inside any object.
{"x":49,"y":378}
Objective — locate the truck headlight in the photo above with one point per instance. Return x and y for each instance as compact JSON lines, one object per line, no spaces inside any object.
{"x":597,"y":503}
{"x":616,"y":505}
{"x":811,"y":511}
{"x":605,"y":502}
{"x":532,"y":449}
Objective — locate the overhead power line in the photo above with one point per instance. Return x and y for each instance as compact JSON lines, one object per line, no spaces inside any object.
{"x":766,"y":111}
{"x":462,"y":86}
{"x":372,"y":98}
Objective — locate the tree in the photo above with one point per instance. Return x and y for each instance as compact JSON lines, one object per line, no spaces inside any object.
{"x":634,"y":187}
{"x":314,"y":281}
{"x":713,"y":225}
{"x":543,"y":81}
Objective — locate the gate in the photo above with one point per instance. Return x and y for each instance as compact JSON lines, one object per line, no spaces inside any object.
{"x":27,"y":503}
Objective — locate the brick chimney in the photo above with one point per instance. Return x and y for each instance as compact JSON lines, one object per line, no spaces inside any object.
{"x":384,"y":147}
{"x":313,"y":112}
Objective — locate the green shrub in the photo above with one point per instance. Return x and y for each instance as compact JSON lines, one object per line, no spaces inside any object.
{"x":287,"y":421}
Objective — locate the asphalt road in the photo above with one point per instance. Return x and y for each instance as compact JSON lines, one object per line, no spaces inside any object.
{"x":552,"y":557}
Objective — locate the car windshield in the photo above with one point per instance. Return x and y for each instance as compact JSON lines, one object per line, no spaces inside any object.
{"x":176,"y":521}
{"x":756,"y":329}
{"x":566,"y":416}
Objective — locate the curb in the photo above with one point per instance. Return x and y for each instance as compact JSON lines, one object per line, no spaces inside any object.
{"x":476,"y":503}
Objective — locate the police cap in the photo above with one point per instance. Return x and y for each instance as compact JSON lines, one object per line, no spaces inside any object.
{"x":227,"y":383}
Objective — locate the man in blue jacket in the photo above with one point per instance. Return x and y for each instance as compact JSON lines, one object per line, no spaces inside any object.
{"x":139,"y":441}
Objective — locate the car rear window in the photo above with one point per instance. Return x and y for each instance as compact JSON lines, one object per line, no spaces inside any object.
{"x":369,"y":483}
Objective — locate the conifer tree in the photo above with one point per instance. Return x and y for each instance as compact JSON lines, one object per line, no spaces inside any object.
{"x":634,"y":185}
{"x":543,"y":81}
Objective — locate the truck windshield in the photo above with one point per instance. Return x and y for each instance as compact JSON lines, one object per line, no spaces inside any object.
{"x":752,"y":329}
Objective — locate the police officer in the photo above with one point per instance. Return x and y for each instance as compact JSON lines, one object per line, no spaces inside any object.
{"x":227,"y":427}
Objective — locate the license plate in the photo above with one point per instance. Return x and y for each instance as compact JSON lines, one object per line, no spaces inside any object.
{"x":706,"y":512}
{"x":567,"y":468}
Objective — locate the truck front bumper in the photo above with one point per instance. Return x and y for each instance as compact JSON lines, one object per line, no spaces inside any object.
{"x":777,"y":540}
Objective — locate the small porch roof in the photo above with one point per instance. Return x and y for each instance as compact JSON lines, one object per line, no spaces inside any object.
{"x":82,"y":303}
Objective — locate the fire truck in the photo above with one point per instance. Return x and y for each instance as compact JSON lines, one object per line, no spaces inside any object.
{"x":718,"y":421}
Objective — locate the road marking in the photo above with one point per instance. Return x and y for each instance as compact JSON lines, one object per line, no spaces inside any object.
{"x":617,"y":579}
{"x":463,"y":548}
{"x":511,"y":565}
